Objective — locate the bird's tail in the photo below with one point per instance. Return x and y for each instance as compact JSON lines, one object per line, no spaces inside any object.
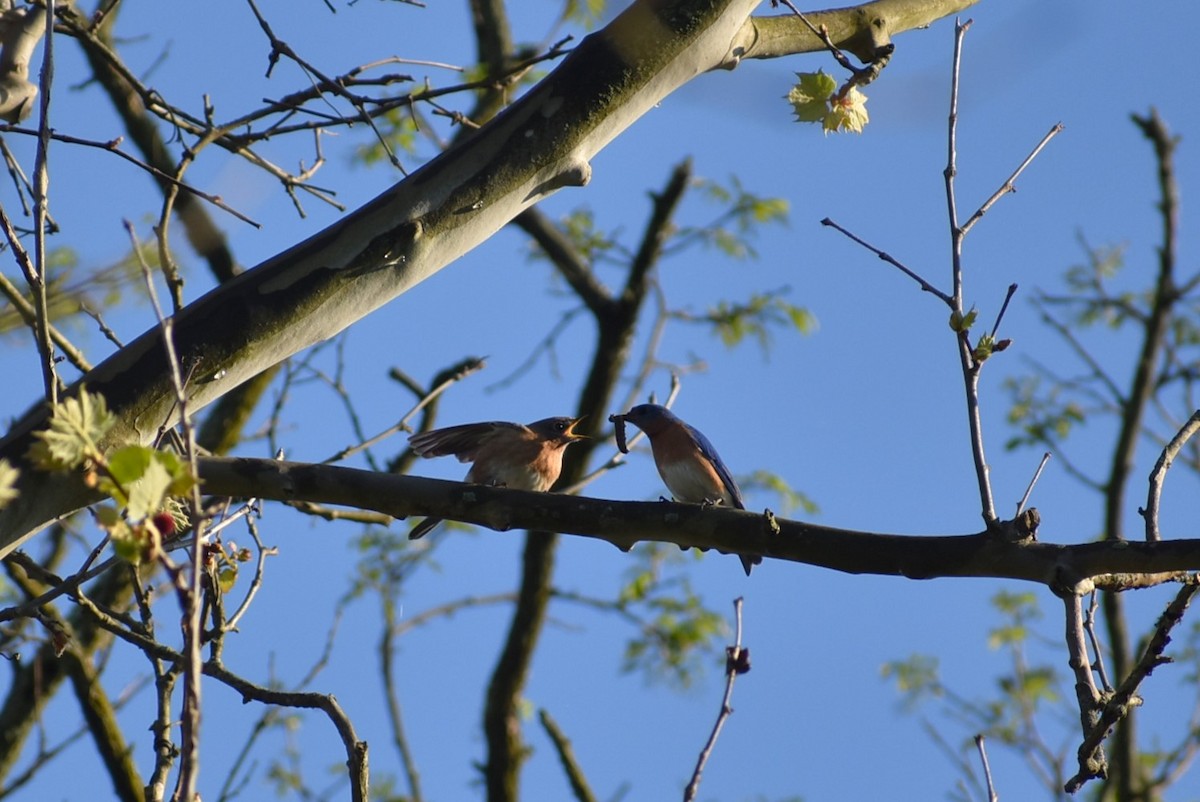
{"x":425,"y":527}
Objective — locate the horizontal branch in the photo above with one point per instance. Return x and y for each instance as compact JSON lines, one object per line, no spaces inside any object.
{"x":625,"y":523}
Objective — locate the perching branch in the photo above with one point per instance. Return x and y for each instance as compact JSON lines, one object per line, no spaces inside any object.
{"x":625,"y":523}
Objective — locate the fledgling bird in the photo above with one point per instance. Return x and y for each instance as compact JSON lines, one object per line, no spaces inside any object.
{"x":686,"y":460}
{"x":503,"y":454}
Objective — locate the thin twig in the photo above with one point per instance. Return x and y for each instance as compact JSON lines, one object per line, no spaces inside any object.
{"x":29,"y":313}
{"x":1029,"y":490}
{"x":546,"y":346}
{"x":188,"y":590}
{"x":1089,"y":626}
{"x":463,"y":370}
{"x":1008,"y":296}
{"x":987,"y":769}
{"x":1010,"y":184}
{"x":1159,"y":474}
{"x":969,"y":364}
{"x":259,"y":569}
{"x":925,"y":285}
{"x":273,"y":715}
{"x":113,"y":146}
{"x":1125,"y":697}
{"x":566,"y":755}
{"x":1091,"y":754}
{"x":41,"y":186}
{"x":1063,"y":330}
{"x":387,"y":653}
{"x":737,"y":661}
{"x":960,"y":32}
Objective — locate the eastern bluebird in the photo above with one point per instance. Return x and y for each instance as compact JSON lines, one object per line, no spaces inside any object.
{"x":687,"y":462}
{"x":504,"y":454}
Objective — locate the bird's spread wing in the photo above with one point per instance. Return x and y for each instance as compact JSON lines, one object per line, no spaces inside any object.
{"x":462,"y":441}
{"x":714,"y":459}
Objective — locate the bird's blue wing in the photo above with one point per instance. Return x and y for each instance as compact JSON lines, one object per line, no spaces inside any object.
{"x":714,"y":459}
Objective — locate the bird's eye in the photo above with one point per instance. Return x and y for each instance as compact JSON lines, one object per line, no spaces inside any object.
{"x":562,"y":427}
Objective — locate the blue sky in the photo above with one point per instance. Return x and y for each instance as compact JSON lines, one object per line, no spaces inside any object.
{"x":865,"y":415}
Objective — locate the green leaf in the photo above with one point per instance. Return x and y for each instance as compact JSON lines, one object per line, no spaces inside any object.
{"x":129,"y":549}
{"x":126,"y":465}
{"x":674,"y":628}
{"x":226,"y":578}
{"x":141,"y":478}
{"x":1044,"y":419}
{"x":848,"y":113}
{"x":915,"y":677}
{"x":766,"y":210}
{"x":129,"y":543}
{"x":398,"y":128}
{"x":8,"y":483}
{"x":182,"y":480}
{"x":755,"y":317}
{"x":984,"y":348}
{"x":108,"y":516}
{"x":637,"y":588}
{"x":584,"y":12}
{"x":810,"y":96}
{"x":1019,"y":606}
{"x":960,"y":322}
{"x":816,"y":99}
{"x":147,"y":494}
{"x":791,"y":499}
{"x":75,"y":427}
{"x":1003,"y":636}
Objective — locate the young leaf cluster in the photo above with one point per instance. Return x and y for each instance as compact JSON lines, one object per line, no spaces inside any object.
{"x":142,"y":481}
{"x":815,"y":98}
{"x":734,"y":321}
{"x":677,"y":628}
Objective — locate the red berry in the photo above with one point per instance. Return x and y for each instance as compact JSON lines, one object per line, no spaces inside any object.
{"x":164,"y":523}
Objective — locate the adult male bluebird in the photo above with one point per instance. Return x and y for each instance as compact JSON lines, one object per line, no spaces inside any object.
{"x":686,"y":460}
{"x":503,"y":454}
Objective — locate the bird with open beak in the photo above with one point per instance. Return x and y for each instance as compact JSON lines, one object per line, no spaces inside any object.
{"x":513,"y":455}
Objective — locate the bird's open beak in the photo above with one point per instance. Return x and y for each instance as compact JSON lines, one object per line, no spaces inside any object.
{"x":573,"y":435}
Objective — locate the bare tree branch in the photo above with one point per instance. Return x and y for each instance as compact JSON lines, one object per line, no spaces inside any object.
{"x":566,"y":755}
{"x":737,"y":661}
{"x":624,"y":523}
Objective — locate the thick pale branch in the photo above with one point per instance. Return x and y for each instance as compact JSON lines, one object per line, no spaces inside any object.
{"x":861,"y":30}
{"x":624,"y":523}
{"x":21,"y":29}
